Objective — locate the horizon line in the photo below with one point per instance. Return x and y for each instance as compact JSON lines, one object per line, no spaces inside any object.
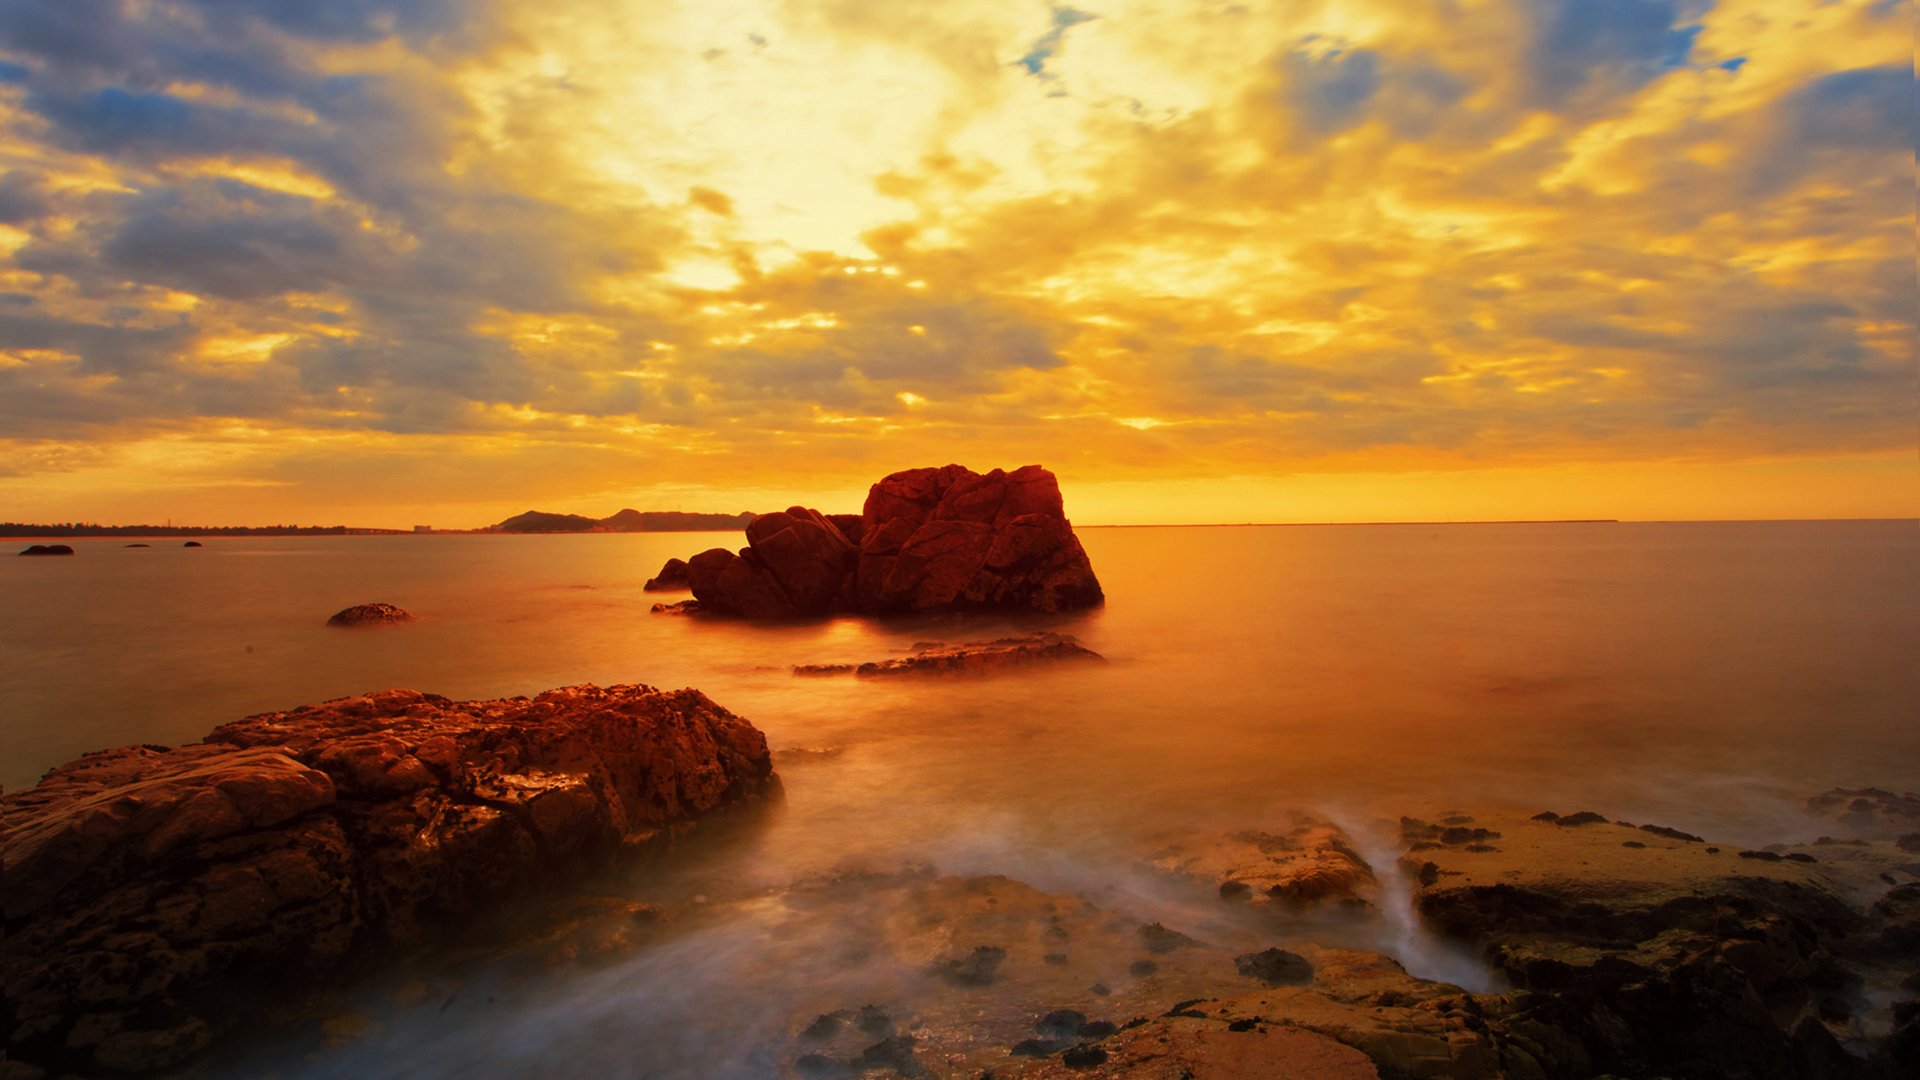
{"x":487,"y":530}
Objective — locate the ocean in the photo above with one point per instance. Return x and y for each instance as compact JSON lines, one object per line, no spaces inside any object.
{"x":1705,"y":676}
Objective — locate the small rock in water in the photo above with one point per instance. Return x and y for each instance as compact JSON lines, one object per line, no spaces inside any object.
{"x":193,"y":543}
{"x":1084,"y":1057}
{"x":370,"y":615}
{"x":1275,"y":967}
{"x":820,"y":669}
{"x":47,"y":549}
{"x":824,"y":1027}
{"x":1061,"y":1023}
{"x":1584,"y":817}
{"x":873,"y":1020}
{"x":1097,"y":1029}
{"x":1159,"y":939}
{"x":978,"y":968}
{"x":895,"y":1052}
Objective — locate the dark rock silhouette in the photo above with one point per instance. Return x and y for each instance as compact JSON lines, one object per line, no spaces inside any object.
{"x":928,"y":540}
{"x":193,"y":543}
{"x":370,"y":615}
{"x":156,"y":897}
{"x":674,"y":575}
{"x":48,"y":549}
{"x":139,"y":545}
{"x":796,"y":563}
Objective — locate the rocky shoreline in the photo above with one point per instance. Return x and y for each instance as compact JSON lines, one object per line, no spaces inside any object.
{"x":1603,"y":947}
{"x":1610,"y":950}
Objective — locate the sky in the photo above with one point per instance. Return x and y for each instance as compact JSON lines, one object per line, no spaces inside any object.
{"x":395,"y":262}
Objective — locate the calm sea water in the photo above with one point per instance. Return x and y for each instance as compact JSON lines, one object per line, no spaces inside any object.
{"x":1706,"y":676}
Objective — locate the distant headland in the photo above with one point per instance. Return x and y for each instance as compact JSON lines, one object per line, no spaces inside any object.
{"x":537,"y":521}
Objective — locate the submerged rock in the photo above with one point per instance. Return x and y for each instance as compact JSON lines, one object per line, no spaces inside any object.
{"x":968,"y":658}
{"x":48,"y":549}
{"x":156,"y":897}
{"x":370,"y":615}
{"x":927,"y":540}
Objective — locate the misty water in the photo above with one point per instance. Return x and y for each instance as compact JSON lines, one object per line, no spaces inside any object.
{"x":1705,"y":676}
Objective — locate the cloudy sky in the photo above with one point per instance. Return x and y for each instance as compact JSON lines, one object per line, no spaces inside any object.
{"x":438,"y":261}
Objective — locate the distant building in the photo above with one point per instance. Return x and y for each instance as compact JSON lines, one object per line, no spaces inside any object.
{"x":423,"y":528}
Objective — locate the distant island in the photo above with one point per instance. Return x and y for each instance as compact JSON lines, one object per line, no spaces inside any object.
{"x":538,"y":521}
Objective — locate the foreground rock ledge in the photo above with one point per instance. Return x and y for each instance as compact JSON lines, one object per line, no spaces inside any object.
{"x":155,"y":897}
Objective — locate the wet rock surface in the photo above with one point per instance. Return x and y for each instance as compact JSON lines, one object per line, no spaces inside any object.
{"x":370,"y":615}
{"x":156,"y":897}
{"x":1300,"y":866}
{"x":1637,"y":951}
{"x":938,"y":539}
{"x":968,"y":658}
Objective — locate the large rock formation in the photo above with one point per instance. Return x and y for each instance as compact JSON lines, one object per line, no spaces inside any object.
{"x":927,"y":540}
{"x":154,"y":896}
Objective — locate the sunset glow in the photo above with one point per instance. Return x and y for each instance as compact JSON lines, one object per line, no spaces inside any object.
{"x":389,"y":263}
